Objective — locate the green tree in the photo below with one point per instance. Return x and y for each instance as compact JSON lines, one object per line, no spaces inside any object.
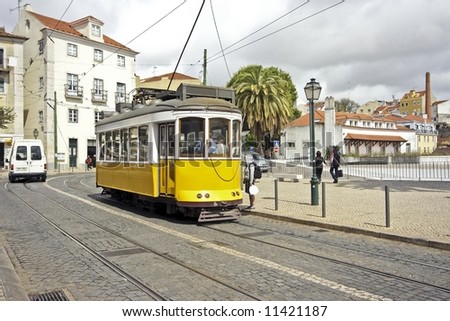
{"x":266,"y":97}
{"x":346,"y":105}
{"x":7,"y":116}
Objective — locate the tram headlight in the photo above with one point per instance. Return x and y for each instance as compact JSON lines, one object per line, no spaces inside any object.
{"x":207,"y":195}
{"x":199,"y":195}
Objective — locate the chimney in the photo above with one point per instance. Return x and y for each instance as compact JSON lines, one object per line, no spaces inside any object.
{"x":427,"y":95}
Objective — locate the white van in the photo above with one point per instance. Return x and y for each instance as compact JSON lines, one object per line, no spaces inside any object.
{"x":27,"y":159}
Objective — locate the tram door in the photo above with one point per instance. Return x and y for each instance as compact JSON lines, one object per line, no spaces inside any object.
{"x":166,"y":159}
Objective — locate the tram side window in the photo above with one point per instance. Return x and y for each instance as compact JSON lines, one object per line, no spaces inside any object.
{"x":134,"y":144}
{"x":218,"y":143}
{"x":109,"y":147}
{"x":192,"y":137}
{"x":124,"y":145}
{"x":101,"y":140}
{"x":116,"y":146}
{"x":143,"y":144}
{"x":236,"y":139}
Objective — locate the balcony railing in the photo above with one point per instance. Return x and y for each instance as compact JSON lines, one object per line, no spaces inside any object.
{"x":99,"y":96}
{"x":73,"y":91}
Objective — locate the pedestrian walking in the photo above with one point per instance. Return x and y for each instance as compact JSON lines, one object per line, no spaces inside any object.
{"x":335,"y":163}
{"x":320,"y":161}
{"x":249,"y":180}
{"x":89,"y":162}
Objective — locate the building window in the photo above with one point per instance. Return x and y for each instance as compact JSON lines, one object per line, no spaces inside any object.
{"x":98,"y":55}
{"x":72,"y":50}
{"x":72,"y":82}
{"x":73,"y":115}
{"x":2,"y":85}
{"x":41,"y":82}
{"x":41,"y":46}
{"x":120,"y":61}
{"x":98,"y":86}
{"x":96,"y":30}
{"x":41,"y":117}
{"x":120,"y":93}
{"x":98,"y":115}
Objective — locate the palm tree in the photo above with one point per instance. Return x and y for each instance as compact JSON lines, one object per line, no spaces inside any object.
{"x":264,"y":97}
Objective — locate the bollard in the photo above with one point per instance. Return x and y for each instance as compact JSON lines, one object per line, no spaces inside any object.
{"x":276,"y":194}
{"x":324,"y":210}
{"x":388,"y":212}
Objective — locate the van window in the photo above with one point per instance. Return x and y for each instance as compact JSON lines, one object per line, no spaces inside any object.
{"x":21,"y":153}
{"x":36,"y":153}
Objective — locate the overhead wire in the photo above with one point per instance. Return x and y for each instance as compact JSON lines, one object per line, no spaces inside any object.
{"x":54,"y":28}
{"x":281,"y":29}
{"x":218,"y":36}
{"x":185,"y":45}
{"x":139,"y":35}
{"x":261,"y":28}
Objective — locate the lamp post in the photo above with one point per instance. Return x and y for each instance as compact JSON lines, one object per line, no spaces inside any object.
{"x":35,"y":133}
{"x":312,"y":92}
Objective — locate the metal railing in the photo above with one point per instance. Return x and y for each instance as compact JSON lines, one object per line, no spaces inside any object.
{"x":416,"y":171}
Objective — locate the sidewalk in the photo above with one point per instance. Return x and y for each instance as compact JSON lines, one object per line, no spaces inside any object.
{"x":419,"y":212}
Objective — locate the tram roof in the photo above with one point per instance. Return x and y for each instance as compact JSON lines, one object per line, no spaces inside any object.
{"x":189,"y":104}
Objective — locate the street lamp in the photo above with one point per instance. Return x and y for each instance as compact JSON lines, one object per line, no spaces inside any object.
{"x":35,"y":133}
{"x":312,"y":92}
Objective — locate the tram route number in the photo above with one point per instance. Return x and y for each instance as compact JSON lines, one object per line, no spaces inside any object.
{"x":296,"y":311}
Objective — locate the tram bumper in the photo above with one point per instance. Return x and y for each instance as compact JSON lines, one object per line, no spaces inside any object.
{"x":218,"y":214}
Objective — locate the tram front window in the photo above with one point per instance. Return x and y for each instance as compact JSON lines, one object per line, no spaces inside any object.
{"x":218,"y":142}
{"x":192,"y":137}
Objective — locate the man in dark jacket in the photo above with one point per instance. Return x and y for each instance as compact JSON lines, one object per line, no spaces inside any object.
{"x":335,"y":163}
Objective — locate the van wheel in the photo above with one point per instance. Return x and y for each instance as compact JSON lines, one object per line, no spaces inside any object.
{"x":12,"y":179}
{"x":43,"y":178}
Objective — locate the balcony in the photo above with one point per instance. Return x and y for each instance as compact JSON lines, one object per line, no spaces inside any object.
{"x":99,"y":96}
{"x":74,"y":92}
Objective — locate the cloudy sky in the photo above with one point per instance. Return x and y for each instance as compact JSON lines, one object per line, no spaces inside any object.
{"x":357,"y":49}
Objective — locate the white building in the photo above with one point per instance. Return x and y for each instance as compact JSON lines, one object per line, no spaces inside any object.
{"x":354,"y":133}
{"x":11,"y":88}
{"x":440,"y":111}
{"x":73,"y":72}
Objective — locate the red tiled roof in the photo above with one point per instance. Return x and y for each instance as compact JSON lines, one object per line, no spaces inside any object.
{"x":5,"y":34}
{"x":377,"y":138}
{"x":66,"y":27}
{"x":319,"y":117}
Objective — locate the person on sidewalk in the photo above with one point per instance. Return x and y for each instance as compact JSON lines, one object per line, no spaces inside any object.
{"x":319,"y":165}
{"x":89,"y":162}
{"x":249,"y":180}
{"x":335,"y":163}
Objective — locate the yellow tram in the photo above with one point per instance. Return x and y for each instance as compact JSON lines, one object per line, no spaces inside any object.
{"x":179,"y":151}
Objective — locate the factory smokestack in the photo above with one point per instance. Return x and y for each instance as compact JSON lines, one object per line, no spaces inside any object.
{"x":427,"y":95}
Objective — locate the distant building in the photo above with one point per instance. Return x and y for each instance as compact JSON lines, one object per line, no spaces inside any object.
{"x":73,"y":73}
{"x":370,"y":107}
{"x":11,"y":88}
{"x":418,"y":102}
{"x":162,"y":81}
{"x":440,"y":111}
{"x":354,"y":133}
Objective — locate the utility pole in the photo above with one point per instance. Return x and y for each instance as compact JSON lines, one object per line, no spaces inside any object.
{"x":55,"y":131}
{"x":204,"y":67}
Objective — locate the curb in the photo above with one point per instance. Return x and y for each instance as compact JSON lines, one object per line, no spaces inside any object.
{"x":11,"y":288}
{"x":347,"y":229}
